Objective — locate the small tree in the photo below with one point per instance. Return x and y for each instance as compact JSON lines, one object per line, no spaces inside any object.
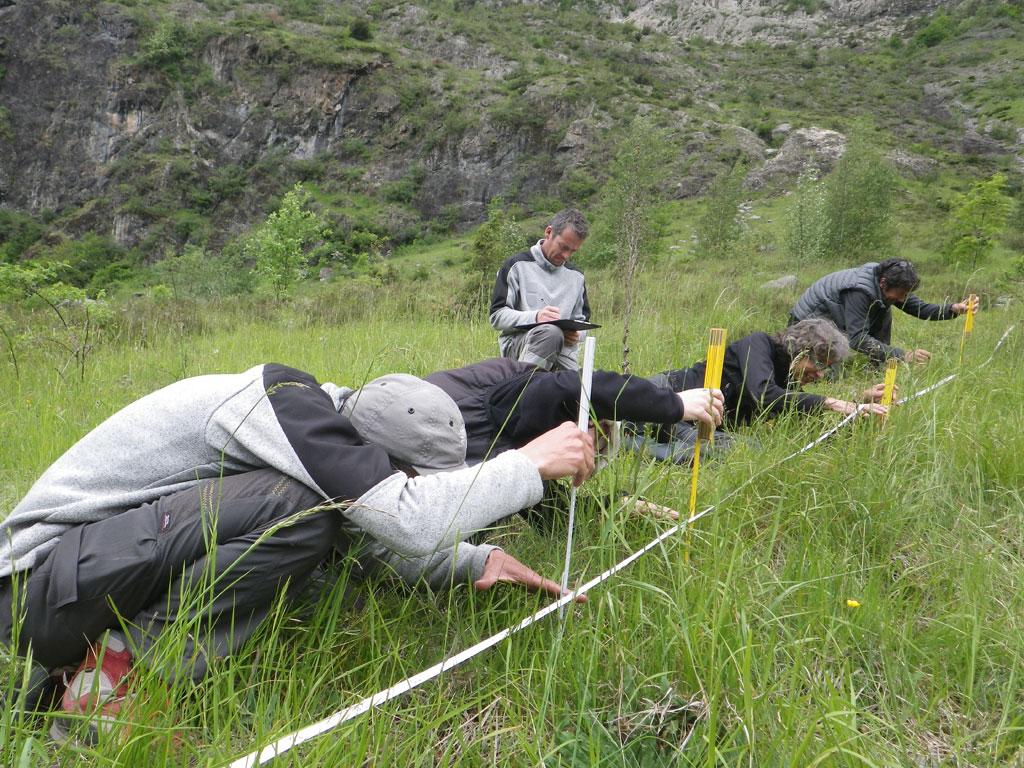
{"x":978,"y":219}
{"x":278,"y":246}
{"x":858,"y":205}
{"x":494,"y":241}
{"x":628,"y":204}
{"x":720,"y":227}
{"x":806,"y":223}
{"x":1014,"y":237}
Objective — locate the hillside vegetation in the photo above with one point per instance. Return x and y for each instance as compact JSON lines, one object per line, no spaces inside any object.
{"x":182,"y":125}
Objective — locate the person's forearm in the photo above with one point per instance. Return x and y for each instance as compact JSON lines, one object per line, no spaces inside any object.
{"x":417,"y":517}
{"x":506,"y":318}
{"x":839,"y":406}
{"x":776,"y":400}
{"x":456,"y":565}
{"x":634,"y":399}
{"x":877,"y":351}
{"x":924,"y":310}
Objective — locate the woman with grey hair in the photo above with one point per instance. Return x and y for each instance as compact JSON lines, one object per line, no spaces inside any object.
{"x":761,"y":378}
{"x":763,"y":373}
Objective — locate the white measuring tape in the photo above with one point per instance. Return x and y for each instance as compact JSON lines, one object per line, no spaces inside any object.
{"x":583,"y":422}
{"x":282,"y":745}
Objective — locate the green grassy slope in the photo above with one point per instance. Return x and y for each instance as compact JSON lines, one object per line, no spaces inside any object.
{"x":748,"y":655}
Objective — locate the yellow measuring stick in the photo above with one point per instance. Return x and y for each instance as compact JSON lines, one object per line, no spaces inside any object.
{"x":972,"y":309}
{"x":712,"y":380}
{"x":891,"y":366}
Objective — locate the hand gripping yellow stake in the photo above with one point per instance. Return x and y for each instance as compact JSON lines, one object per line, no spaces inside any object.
{"x":972,"y":310}
{"x":712,"y":380}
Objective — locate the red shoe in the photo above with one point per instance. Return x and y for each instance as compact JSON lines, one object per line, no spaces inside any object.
{"x":95,"y":693}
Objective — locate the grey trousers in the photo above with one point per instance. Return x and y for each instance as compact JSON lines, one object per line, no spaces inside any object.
{"x":676,"y":444}
{"x":213,"y":553}
{"x":543,"y":346}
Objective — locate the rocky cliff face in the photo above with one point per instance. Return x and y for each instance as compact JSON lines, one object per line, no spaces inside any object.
{"x":94,"y":128}
{"x":774,"y":22}
{"x":88,"y":124}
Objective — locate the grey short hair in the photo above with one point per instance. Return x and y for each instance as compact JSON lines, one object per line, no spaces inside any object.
{"x":818,"y":338}
{"x":572,"y":219}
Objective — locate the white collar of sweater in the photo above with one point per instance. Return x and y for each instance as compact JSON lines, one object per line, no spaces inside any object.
{"x":540,"y":258}
{"x":338,"y":394}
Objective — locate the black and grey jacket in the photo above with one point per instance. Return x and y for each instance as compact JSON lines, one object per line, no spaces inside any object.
{"x":528,"y":282}
{"x":853,"y":300}
{"x":268,"y":416}
{"x":505,"y":403}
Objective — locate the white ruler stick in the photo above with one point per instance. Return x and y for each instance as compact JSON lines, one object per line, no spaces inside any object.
{"x":583,"y":422}
{"x":285,"y":743}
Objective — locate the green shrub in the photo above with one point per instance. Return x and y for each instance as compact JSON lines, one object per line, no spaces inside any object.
{"x":806,"y":225}
{"x":77,"y":261}
{"x":279,"y":245}
{"x":494,"y":241}
{"x":359,"y":29}
{"x":18,"y":232}
{"x":858,"y":205}
{"x":977,"y":220}
{"x":940,"y":28}
{"x":720,"y":227}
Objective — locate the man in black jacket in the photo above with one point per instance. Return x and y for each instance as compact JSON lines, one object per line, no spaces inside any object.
{"x":506,"y":403}
{"x":860,"y":300}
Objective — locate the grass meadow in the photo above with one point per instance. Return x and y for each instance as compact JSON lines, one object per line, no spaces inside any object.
{"x":748,"y":655}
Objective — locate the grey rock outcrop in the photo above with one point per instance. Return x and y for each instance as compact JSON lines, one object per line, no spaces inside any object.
{"x":784,"y":283}
{"x":909,"y":164}
{"x":804,"y":148}
{"x":740,"y":21}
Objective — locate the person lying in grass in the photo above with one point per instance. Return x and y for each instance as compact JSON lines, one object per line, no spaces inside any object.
{"x":762,"y":377}
{"x":237,"y":486}
{"x":506,"y":403}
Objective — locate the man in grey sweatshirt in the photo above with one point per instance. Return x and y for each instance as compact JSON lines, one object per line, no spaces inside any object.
{"x":257,"y":475}
{"x":541,"y":286}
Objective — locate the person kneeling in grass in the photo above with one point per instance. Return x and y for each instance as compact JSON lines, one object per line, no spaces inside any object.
{"x":238,"y":486}
{"x":860,"y":301}
{"x":761,"y":378}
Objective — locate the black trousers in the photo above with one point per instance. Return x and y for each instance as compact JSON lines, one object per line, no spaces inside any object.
{"x":219,"y":552}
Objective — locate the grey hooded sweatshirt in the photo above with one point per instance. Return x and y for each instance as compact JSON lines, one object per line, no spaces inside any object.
{"x":268,"y":416}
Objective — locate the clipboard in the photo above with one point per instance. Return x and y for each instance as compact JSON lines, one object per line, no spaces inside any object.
{"x":564,"y":324}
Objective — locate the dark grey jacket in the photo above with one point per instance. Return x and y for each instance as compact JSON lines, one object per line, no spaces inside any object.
{"x":825,"y":297}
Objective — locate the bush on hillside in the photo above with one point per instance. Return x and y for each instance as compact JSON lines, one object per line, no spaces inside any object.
{"x":18,"y":233}
{"x":806,"y":226}
{"x":977,"y":220}
{"x":494,"y":241}
{"x":720,"y":227}
{"x":940,"y":28}
{"x":279,"y":246}
{"x":858,"y":205}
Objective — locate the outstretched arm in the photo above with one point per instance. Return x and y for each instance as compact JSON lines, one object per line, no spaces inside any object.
{"x":551,"y":398}
{"x":484,"y":565}
{"x":925,"y":311}
{"x":418,"y":516}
